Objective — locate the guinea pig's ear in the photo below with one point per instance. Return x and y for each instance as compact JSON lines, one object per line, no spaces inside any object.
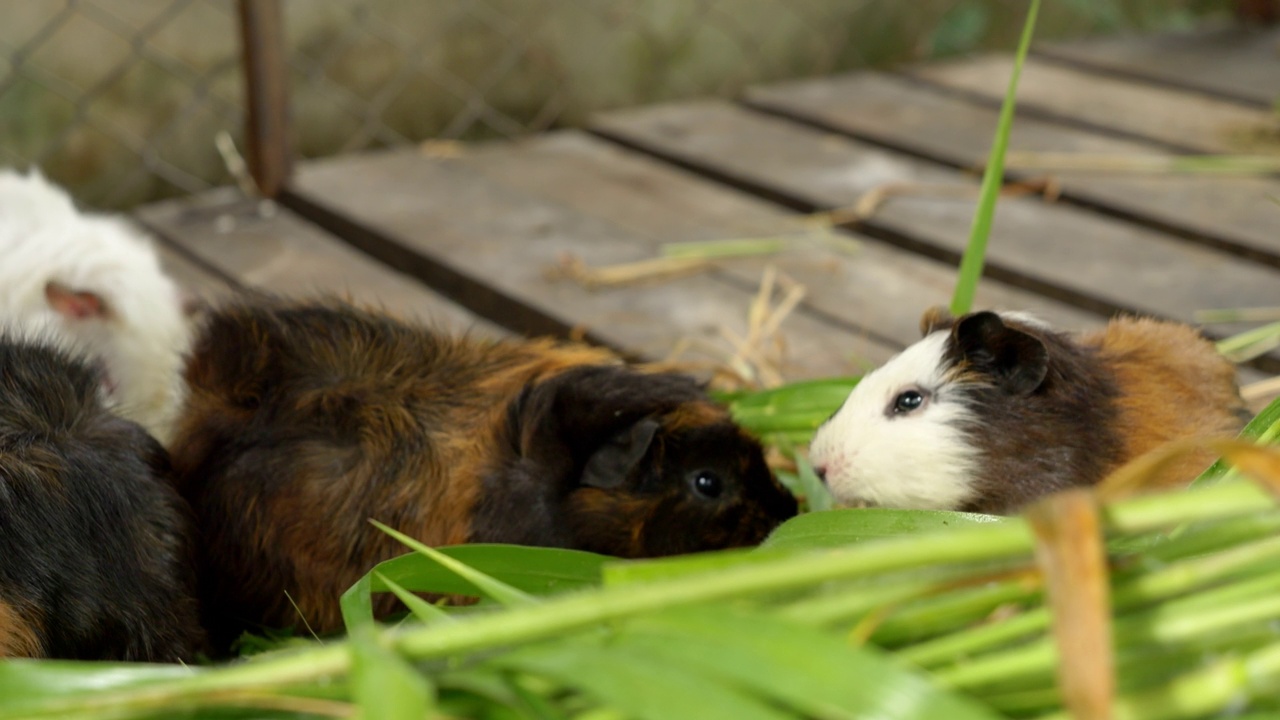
{"x":935,"y":318}
{"x":74,"y":304}
{"x":1018,"y":361}
{"x":610,"y":466}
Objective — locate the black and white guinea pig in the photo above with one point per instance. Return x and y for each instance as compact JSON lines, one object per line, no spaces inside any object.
{"x":992,"y":411}
{"x":95,"y":282}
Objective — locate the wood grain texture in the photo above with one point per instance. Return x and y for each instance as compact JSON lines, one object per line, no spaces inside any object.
{"x":1103,"y":263}
{"x":1233,"y":212}
{"x":876,"y":289}
{"x":284,"y":254}
{"x":1233,"y":62}
{"x":195,"y":279}
{"x":1179,"y":118}
{"x":507,"y":233}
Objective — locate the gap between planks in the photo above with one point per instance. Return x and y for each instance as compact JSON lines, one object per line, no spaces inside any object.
{"x":1229,"y":62}
{"x":495,"y":234}
{"x":1052,"y":250}
{"x":923,"y":123}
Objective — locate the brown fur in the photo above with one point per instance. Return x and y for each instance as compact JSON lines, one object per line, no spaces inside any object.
{"x":1105,"y":398}
{"x":1174,"y":384}
{"x":19,"y":633}
{"x":305,"y":420}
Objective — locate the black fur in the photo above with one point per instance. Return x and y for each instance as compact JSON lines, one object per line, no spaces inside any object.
{"x":306,"y":419}
{"x":588,"y":418}
{"x":95,"y":555}
{"x":1039,"y":400}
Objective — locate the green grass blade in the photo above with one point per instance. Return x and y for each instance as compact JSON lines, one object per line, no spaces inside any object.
{"x":385,"y":686}
{"x":795,"y":410}
{"x":487,"y":585}
{"x":814,"y":673}
{"x":639,"y":686}
{"x":992,"y":179}
{"x":534,"y":570}
{"x":834,"y":528}
{"x":824,"y":391}
{"x":27,"y":682}
{"x":1222,"y":685}
{"x":1251,"y":343}
{"x":625,"y":572}
{"x":1264,"y":428}
{"x":421,"y":609}
{"x":356,"y":604}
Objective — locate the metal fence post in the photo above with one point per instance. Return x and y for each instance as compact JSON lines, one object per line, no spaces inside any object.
{"x":268,"y":131}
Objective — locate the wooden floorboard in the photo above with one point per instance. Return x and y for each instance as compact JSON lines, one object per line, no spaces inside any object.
{"x":1236,"y":213}
{"x":1095,"y":261}
{"x":465,"y":217}
{"x":1233,"y":62}
{"x":876,"y":289}
{"x":286,"y":255}
{"x":1125,"y":107}
{"x":196,"y":280}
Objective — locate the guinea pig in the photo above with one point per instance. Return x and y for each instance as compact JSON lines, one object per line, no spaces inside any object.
{"x":96,"y":556}
{"x":306,"y":419}
{"x":992,"y":411}
{"x":96,"y":281}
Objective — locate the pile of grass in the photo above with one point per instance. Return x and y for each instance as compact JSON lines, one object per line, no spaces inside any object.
{"x":1090,"y":605}
{"x":1167,"y":603}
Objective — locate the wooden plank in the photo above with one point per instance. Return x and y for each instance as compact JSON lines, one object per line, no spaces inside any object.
{"x":1072,"y":252}
{"x":1178,"y":118}
{"x":1232,"y":212}
{"x":497,"y":235}
{"x":878,"y":289}
{"x":284,"y":254}
{"x":1233,"y":62}
{"x":195,"y":279}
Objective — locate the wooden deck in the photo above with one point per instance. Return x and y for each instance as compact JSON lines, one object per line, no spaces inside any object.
{"x":467,"y":239}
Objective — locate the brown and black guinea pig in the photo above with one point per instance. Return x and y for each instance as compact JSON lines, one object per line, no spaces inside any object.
{"x":992,"y":411}
{"x":307,"y":419}
{"x":96,"y":560}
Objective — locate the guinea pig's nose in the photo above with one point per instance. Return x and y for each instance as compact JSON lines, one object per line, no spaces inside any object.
{"x":821,"y":472}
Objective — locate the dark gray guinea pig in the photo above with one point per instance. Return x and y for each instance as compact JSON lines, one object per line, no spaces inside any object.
{"x":96,"y":560}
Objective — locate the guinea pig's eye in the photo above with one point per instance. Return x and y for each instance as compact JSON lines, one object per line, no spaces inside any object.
{"x":707,"y":484}
{"x":907,"y":401}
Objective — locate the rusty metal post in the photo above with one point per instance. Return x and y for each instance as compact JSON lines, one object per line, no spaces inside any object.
{"x":268,"y":131}
{"x":1260,"y":12}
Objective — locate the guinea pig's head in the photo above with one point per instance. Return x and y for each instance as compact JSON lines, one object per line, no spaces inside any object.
{"x":908,"y":435}
{"x":95,"y":282}
{"x":677,"y":482}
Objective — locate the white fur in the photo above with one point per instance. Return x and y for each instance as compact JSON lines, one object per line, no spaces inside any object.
{"x":43,"y":239}
{"x":917,"y":460}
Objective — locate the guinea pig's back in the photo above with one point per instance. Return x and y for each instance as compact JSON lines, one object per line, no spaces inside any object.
{"x":375,"y":390}
{"x":1174,"y":385}
{"x":95,"y":544}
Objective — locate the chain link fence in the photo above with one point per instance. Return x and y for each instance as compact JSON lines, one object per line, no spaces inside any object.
{"x":123,"y":101}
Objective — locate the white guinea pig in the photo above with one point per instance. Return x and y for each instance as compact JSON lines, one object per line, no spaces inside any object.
{"x":991,"y":411}
{"x":95,"y":283}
